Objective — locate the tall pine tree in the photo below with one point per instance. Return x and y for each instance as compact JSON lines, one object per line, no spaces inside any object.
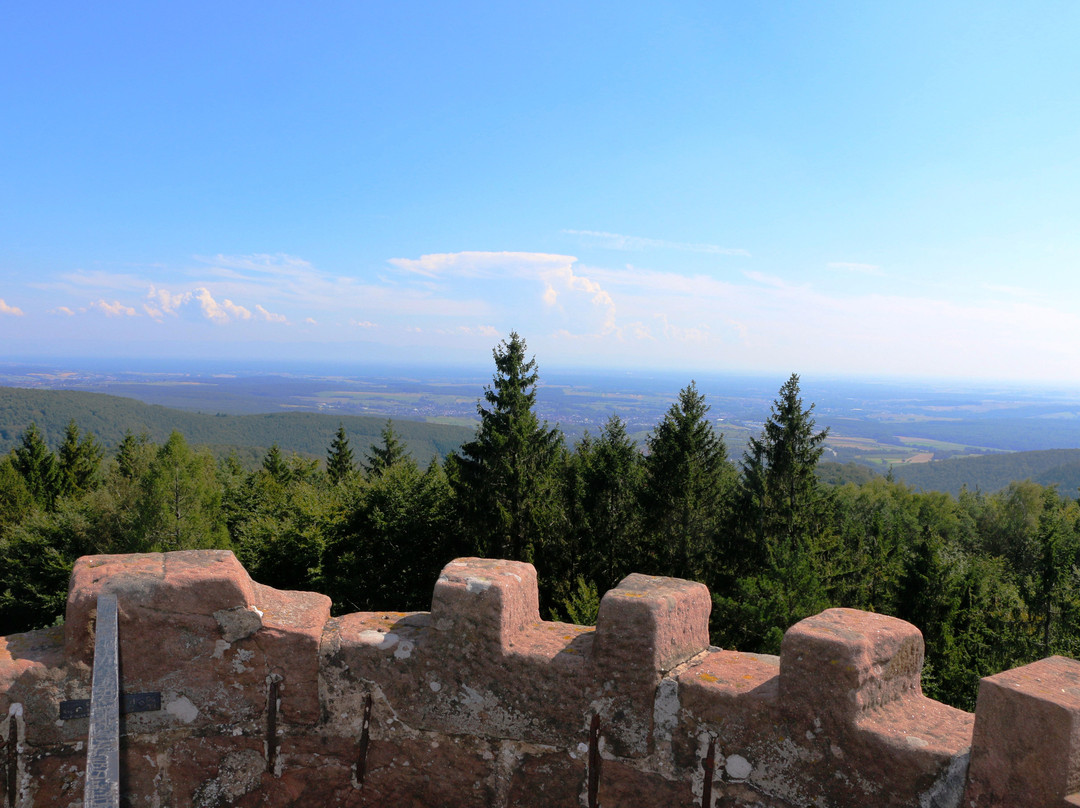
{"x":783,"y":493}
{"x":382,"y":456}
{"x":507,"y":480}
{"x":339,"y":460}
{"x":79,"y":466}
{"x":688,"y":481}
{"x":37,"y":465}
{"x":785,"y":555}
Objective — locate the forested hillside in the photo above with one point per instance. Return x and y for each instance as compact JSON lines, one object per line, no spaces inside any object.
{"x":1060,"y":467}
{"x":111,"y":417}
{"x":990,"y":578}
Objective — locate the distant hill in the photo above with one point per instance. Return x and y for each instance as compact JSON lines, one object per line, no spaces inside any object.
{"x":991,"y":473}
{"x":306,"y":433}
{"x":833,"y":473}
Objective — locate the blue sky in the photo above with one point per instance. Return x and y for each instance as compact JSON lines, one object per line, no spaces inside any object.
{"x":827,"y":188}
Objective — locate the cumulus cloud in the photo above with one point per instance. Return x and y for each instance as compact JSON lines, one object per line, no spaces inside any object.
{"x":269,"y":316}
{"x":579,"y":298}
{"x":114,"y":309}
{"x":62,"y":310}
{"x":15,"y":311}
{"x":571,"y":282}
{"x":161,"y":302}
{"x":363,"y":324}
{"x":222,"y":312}
{"x":617,"y":241}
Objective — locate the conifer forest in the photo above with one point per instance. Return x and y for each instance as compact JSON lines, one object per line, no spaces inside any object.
{"x":991,"y":579}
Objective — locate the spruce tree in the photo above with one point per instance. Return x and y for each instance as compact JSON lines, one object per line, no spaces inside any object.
{"x":339,"y":460}
{"x":688,"y":481}
{"x":274,"y":464}
{"x":79,"y":464}
{"x":786,"y":554}
{"x":37,"y":465}
{"x":783,"y":492}
{"x":606,"y":478}
{"x":133,"y":455}
{"x":507,"y":479}
{"x":391,"y":451}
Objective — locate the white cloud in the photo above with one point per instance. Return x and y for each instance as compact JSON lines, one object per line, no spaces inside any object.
{"x":15,"y":311}
{"x":617,"y":241}
{"x":114,"y":309}
{"x":62,"y":310}
{"x":161,"y":302}
{"x":363,"y":324}
{"x":580,"y":299}
{"x":571,"y":282}
{"x":310,"y":321}
{"x":481,"y":264}
{"x":222,"y":312}
{"x":270,"y":316}
{"x":290,"y":281}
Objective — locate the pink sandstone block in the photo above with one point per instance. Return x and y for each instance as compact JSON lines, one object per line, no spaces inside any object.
{"x":731,"y":687}
{"x":648,"y":625}
{"x":1026,"y":744}
{"x":151,"y":586}
{"x":841,"y":663}
{"x":488,"y":602}
{"x":291,"y":631}
{"x":194,"y":626}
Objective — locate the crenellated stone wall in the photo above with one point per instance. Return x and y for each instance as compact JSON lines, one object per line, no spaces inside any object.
{"x":269,"y":701}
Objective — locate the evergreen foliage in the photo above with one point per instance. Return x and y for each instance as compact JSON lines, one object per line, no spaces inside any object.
{"x":37,"y":465}
{"x":992,"y":580}
{"x":788,"y":560}
{"x":382,"y":456}
{"x":340,"y":466}
{"x":79,"y":462}
{"x":506,"y":479}
{"x":605,"y":476}
{"x":685,"y":497}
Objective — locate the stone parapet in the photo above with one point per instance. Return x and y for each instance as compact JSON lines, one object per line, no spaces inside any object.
{"x":268,"y":700}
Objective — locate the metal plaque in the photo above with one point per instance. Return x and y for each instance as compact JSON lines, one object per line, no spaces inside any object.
{"x":129,"y":703}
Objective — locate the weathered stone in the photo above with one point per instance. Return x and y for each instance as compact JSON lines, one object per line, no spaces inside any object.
{"x":1026,"y":745}
{"x":648,"y":625}
{"x":267,"y":701}
{"x":238,"y":623}
{"x":489,"y":603}
{"x":151,"y":587}
{"x":841,"y":663}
